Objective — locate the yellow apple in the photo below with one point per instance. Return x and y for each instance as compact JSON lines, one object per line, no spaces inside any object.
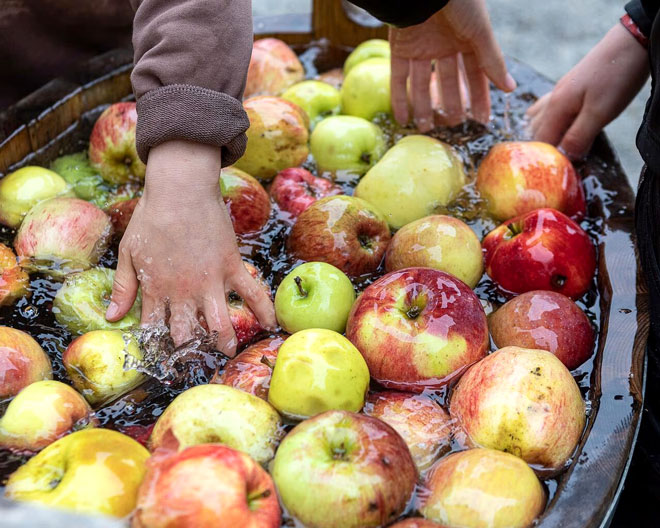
{"x":366,"y":89}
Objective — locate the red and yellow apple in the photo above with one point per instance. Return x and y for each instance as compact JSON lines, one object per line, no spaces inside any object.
{"x":517,"y":177}
{"x":14,"y":281}
{"x":274,"y":67}
{"x":295,"y":189}
{"x":333,"y":77}
{"x":247,"y":201}
{"x":540,"y":250}
{"x":417,"y":522}
{"x":544,"y":320}
{"x":522,"y":401}
{"x":418,"y":328}
{"x":344,"y":470}
{"x":22,"y":362}
{"x":343,"y":231}
{"x":243,"y":320}
{"x":203,"y":486}
{"x":439,"y":242}
{"x":120,"y":214}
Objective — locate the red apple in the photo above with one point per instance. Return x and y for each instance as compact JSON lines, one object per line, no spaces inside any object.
{"x":121,"y":213}
{"x":417,"y":522}
{"x":14,"y":281}
{"x":63,"y":235}
{"x":540,"y":250}
{"x":206,"y":485}
{"x":544,"y":320}
{"x":251,"y":370}
{"x":273,"y":68}
{"x":112,"y":149}
{"x":519,"y":176}
{"x":418,"y":328}
{"x":521,"y":401}
{"x":22,"y":362}
{"x":422,"y":423}
{"x":295,"y":189}
{"x":344,"y":231}
{"x":245,"y":323}
{"x":334,"y":77}
{"x":247,"y":201}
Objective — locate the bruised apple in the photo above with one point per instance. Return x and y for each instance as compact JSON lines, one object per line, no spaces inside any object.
{"x":22,"y":362}
{"x":274,"y":67}
{"x":295,"y":189}
{"x":418,"y":328}
{"x":247,"y":201}
{"x":14,"y":281}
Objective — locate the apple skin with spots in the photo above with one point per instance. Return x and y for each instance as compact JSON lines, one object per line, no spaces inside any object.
{"x":540,"y":250}
{"x":418,"y":328}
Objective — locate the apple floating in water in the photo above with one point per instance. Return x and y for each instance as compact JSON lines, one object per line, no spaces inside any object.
{"x":517,"y":177}
{"x":247,"y":201}
{"x":366,"y":89}
{"x":369,"y":49}
{"x":295,"y":189}
{"x":333,"y":77}
{"x":120,"y":214}
{"x":235,"y":491}
{"x":344,"y":470}
{"x":317,"y":98}
{"x":85,"y":181}
{"x":14,"y":281}
{"x":22,"y":362}
{"x":273,"y":68}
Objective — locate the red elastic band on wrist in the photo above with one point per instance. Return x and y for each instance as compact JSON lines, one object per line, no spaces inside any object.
{"x":634,"y":30}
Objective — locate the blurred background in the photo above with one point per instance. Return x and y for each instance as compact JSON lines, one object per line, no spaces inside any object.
{"x":552,"y":36}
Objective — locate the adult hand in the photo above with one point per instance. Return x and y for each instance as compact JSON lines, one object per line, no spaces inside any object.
{"x":181,"y":249}
{"x":591,"y":94}
{"x":459,"y":38}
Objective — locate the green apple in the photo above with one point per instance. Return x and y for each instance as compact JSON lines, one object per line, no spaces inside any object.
{"x":22,"y":189}
{"x":317,"y":98}
{"x":318,"y":370}
{"x":412,"y":179}
{"x":366,"y":89}
{"x":96,"y":364}
{"x":41,"y":413}
{"x":347,"y":144}
{"x":86,"y":182}
{"x":80,"y":304}
{"x":368,"y":49}
{"x":219,"y":414}
{"x":314,"y":295}
{"x":91,"y":471}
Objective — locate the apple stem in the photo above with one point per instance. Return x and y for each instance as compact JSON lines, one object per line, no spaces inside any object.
{"x":301,"y":290}
{"x":267,"y":362}
{"x":366,"y":157}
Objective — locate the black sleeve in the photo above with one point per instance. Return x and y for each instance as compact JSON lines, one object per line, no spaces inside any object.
{"x":400,"y":13}
{"x":643,"y":13}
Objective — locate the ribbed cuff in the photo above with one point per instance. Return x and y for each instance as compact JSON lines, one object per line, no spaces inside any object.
{"x":182,"y":111}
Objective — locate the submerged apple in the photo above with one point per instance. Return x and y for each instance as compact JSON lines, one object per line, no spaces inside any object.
{"x":247,"y":201}
{"x":274,"y":67}
{"x":295,"y":189}
{"x":120,"y":214}
{"x":22,"y":362}
{"x":14,"y":281}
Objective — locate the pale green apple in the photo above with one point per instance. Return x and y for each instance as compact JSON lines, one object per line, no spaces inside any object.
{"x":96,"y":362}
{"x":347,"y":144}
{"x":368,"y":49}
{"x":91,"y":471}
{"x":314,"y":295}
{"x":22,"y":189}
{"x":412,"y":179}
{"x":318,"y":370}
{"x":316,"y":98}
{"x":219,"y":414}
{"x":366,"y":89}
{"x":41,"y":413}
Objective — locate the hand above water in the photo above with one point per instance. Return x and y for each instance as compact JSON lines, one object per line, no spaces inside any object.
{"x":180,"y":248}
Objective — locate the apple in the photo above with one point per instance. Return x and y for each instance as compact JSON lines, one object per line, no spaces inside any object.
{"x":112,"y":149}
{"x":273,"y":67}
{"x":482,"y":488}
{"x":417,"y":522}
{"x":343,"y":231}
{"x":344,"y":470}
{"x":24,"y":188}
{"x":41,"y":413}
{"x":14,"y":281}
{"x":295,"y":189}
{"x":251,"y":370}
{"x":22,"y":362}
{"x":369,"y":49}
{"x":80,"y":304}
{"x":522,"y":401}
{"x":366,"y":89}
{"x":94,"y":471}
{"x":517,"y":177}
{"x":62,"y":235}
{"x":120,"y":213}
{"x":203,"y":486}
{"x":544,"y":320}
{"x":85,"y":181}
{"x":540,"y":250}
{"x":423,"y":424}
{"x":314,"y":295}
{"x":96,"y":364}
{"x":333,"y":77}
{"x":347,"y":144}
{"x":439,"y":242}
{"x":317,"y":98}
{"x":317,"y":370}
{"x":219,"y":413}
{"x":418,"y":328}
{"x":277,"y":137}
{"x":413,"y":178}
{"x":247,"y":201}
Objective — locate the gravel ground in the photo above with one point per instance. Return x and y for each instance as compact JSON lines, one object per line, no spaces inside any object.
{"x":551,"y":37}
